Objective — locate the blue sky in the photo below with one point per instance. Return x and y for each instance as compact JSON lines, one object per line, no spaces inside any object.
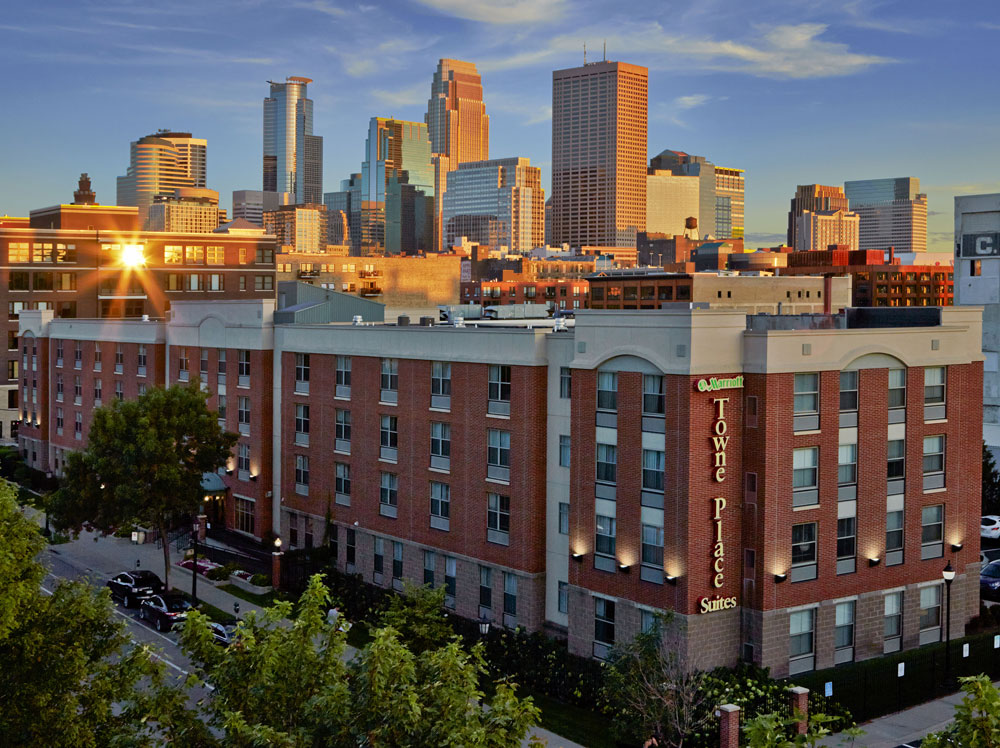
{"x":793,"y":91}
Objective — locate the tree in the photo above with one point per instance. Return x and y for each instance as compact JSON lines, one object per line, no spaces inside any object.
{"x":773,"y":731}
{"x":418,"y":617}
{"x":653,"y":692}
{"x":290,"y":686}
{"x":69,"y":674}
{"x":991,"y":483}
{"x":977,"y":718}
{"x":143,"y":463}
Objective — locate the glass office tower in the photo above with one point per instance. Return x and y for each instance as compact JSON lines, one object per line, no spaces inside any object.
{"x":293,"y":156}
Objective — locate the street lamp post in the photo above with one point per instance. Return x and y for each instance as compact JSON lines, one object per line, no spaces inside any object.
{"x":948,"y":574}
{"x":194,"y":565}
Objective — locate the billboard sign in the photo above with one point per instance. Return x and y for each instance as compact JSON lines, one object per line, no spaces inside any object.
{"x":981,"y":245}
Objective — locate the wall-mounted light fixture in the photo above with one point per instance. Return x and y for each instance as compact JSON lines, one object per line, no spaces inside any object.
{"x":229,"y":471}
{"x":578,"y":557}
{"x":253,"y":477}
{"x":956,"y":547}
{"x":670,"y":579}
{"x":779,"y":578}
{"x":875,"y":561}
{"x":624,"y":568}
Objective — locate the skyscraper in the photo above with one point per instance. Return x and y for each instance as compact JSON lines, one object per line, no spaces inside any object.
{"x":293,"y":156}
{"x":813,"y":197}
{"x":670,"y":200}
{"x":457,"y":125}
{"x":250,"y":205}
{"x":347,"y":200}
{"x":721,"y":192}
{"x":397,"y":189}
{"x":729,"y":202}
{"x":496,"y":203}
{"x":818,"y":229}
{"x":599,"y":127}
{"x":893,"y":213}
{"x":159,"y":164}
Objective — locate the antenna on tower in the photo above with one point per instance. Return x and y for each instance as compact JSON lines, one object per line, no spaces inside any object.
{"x":585,"y":53}
{"x":605,"y":50}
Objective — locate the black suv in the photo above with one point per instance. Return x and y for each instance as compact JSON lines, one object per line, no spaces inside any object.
{"x":163,"y":611}
{"x":133,"y":586}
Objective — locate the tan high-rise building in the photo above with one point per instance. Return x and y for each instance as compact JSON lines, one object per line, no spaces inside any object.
{"x":813,"y":197}
{"x":159,"y":164}
{"x":599,"y":126}
{"x":818,"y":229}
{"x":457,"y":124}
{"x":670,"y":201}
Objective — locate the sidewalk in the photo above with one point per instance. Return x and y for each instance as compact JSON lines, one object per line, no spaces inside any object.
{"x":901,"y":728}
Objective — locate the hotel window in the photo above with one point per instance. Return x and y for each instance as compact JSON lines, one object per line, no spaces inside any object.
{"x":894,"y":538}
{"x":848,"y":391}
{"x":498,"y":454}
{"x":59,"y":421}
{"x":302,"y":373}
{"x":564,"y":450}
{"x":388,"y":490}
{"x":429,"y":563}
{"x":803,"y":552}
{"x":172,"y":254}
{"x":440,"y":445}
{"x":78,"y":425}
{"x":563,"y":518}
{"x":216,"y":255}
{"x":243,"y":459}
{"x":222,"y":407}
{"x":607,"y":390}
{"x":182,"y":364}
{"x":98,"y":391}
{"x":378,"y":563}
{"x":843,"y":633}
{"x":343,"y":376}
{"x":390,"y":377}
{"x":141,"y":360}
{"x":351,"y":547}
{"x":343,"y":479}
{"x":441,"y":502}
{"x":932,"y":532}
{"x":647,"y":621}
{"x":450,"y":578}
{"x":653,"y":462}
{"x":847,"y":533}
{"x":119,"y":390}
{"x":605,"y":535}
{"x":499,"y":390}
{"x":485,"y":589}
{"x":243,"y":415}
{"x":78,"y":355}
{"x":264,"y":256}
{"x":806,"y":402}
{"x":222,"y":365}
{"x":343,"y":430}
{"x":933,"y":462}
{"x":930,"y":614}
{"x":563,"y":599}
{"x":244,"y":368}
{"x":892,"y":622}
{"x":440,"y":378}
{"x":388,"y":435}
{"x":497,"y":518}
{"x":59,"y":353}
{"x":509,"y":599}
{"x":565,"y":382}
{"x":805,"y":476}
{"x":604,"y":627}
{"x":302,"y":475}
{"x":302,"y":425}
{"x":897,"y":388}
{"x":263,"y":283}
{"x":652,"y":546}
{"x":652,"y":395}
{"x":934,"y":379}
{"x":397,"y":562}
{"x":847,"y":464}
{"x":896,"y":468}
{"x":244,"y":514}
{"x":194,"y":255}
{"x":800,"y":643}
{"x":77,"y":390}
{"x":607,"y":458}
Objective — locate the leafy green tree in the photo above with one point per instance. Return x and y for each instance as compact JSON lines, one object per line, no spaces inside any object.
{"x":991,"y":483}
{"x":418,"y":617}
{"x":289,"y":685}
{"x":143,"y":463}
{"x":977,"y":718}
{"x":69,"y":675}
{"x":773,"y":731}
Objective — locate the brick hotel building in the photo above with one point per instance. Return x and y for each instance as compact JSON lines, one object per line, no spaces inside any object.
{"x":791,"y":486}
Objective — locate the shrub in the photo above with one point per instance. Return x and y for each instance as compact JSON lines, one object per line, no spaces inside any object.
{"x":260,"y":580}
{"x":221,"y":573}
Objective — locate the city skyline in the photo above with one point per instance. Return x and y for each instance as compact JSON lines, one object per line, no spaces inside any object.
{"x":724,"y":81}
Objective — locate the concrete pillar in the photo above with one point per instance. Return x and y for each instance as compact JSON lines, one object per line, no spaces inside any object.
{"x":276,"y":558}
{"x":729,"y":726}
{"x":202,"y":525}
{"x":800,"y":708}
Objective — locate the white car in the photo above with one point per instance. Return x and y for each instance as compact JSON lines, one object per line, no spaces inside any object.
{"x":989,"y":527}
{"x":988,"y":556}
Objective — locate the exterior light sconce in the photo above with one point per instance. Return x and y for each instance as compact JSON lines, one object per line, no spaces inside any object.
{"x":779,"y":578}
{"x":253,"y":477}
{"x":874,"y":561}
{"x":229,"y":471}
{"x":956,"y":547}
{"x":670,"y":579}
{"x":578,"y":557}
{"x":624,"y":568}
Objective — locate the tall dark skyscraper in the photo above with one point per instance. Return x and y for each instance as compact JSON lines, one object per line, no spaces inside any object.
{"x":293,"y":156}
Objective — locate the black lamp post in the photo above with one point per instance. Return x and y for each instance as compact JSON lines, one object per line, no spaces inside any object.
{"x":194,"y":566}
{"x":484,"y":626}
{"x":236,"y":610}
{"x":948,"y":574}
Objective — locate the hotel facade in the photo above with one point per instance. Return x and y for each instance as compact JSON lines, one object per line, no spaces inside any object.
{"x":790,"y":486}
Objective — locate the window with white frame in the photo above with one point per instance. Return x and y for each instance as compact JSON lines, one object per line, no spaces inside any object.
{"x":933,"y":454}
{"x":563,"y":600}
{"x":564,"y":450}
{"x":843,"y":632}
{"x":301,"y":424}
{"x":485,"y":587}
{"x":604,"y":625}
{"x":450,"y":581}
{"x":499,"y":385}
{"x":440,"y":439}
{"x":892,"y":622}
{"x":806,"y":400}
{"x":607,"y":463}
{"x":244,"y":363}
{"x":565,"y":382}
{"x":497,"y":517}
{"x":430,"y":561}
{"x":243,"y":415}
{"x":653,"y":401}
{"x":389,"y":489}
{"x":897,"y":388}
{"x":930,"y":614}
{"x":343,"y":371}
{"x":98,"y":391}
{"x":343,"y":479}
{"x":301,"y":474}
{"x":119,"y":390}
{"x":243,"y":458}
{"x":378,"y":565}
{"x":390,"y":374}
{"x":848,"y":391}
{"x":342,"y":428}
{"x":440,"y":500}
{"x":652,"y":546}
{"x":893,"y":538}
{"x":605,"y":531}
{"x":397,"y":560}
{"x":653,"y":462}
{"x":805,"y":468}
{"x":847,"y":464}
{"x":932,"y":531}
{"x":801,"y":643}
{"x":302,"y":372}
{"x":607,"y":390}
{"x":498,"y":449}
{"x":804,"y":551}
{"x":509,"y":596}
{"x":934,"y":381}
{"x":244,"y":514}
{"x":440,"y":378}
{"x":388,"y":435}
{"x":896,"y":466}
{"x":847,"y":532}
{"x":563,"y":518}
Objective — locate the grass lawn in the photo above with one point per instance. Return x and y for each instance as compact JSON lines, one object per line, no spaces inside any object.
{"x":574,"y":723}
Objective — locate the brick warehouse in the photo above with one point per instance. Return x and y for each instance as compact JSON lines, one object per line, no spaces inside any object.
{"x":791,"y":486}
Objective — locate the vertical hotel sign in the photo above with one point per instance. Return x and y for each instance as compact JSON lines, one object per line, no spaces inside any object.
{"x":719,"y":441}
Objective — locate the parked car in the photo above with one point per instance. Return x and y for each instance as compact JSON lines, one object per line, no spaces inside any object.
{"x":163,"y":611}
{"x":131,"y":587}
{"x":989,"y":527}
{"x":989,"y":581}
{"x":988,"y":555}
{"x":222,"y":633}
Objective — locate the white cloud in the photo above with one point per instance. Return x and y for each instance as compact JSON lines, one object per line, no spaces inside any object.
{"x":501,"y":11}
{"x":691,"y":101}
{"x":409,"y":96}
{"x":322,"y":6}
